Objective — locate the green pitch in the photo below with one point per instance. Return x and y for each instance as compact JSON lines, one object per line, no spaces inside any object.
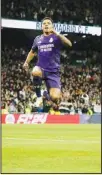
{"x":51,"y":148}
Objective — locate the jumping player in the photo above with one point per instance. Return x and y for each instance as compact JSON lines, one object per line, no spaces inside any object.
{"x":48,"y":46}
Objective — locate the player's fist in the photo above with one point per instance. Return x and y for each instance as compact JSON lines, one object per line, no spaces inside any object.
{"x":54,"y":31}
{"x":25,"y":66}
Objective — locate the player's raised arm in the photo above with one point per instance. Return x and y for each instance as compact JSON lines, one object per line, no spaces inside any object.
{"x":63,"y":38}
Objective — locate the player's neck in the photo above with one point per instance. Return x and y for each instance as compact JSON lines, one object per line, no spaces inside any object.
{"x":46,"y":34}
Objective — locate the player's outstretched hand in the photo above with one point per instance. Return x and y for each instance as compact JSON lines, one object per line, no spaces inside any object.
{"x":26,"y":66}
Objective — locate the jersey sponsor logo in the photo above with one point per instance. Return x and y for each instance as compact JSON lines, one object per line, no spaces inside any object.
{"x":46,"y":47}
{"x":51,"y":40}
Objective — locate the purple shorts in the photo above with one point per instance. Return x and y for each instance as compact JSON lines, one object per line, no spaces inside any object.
{"x":52,"y":79}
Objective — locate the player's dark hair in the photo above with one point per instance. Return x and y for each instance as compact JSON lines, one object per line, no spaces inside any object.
{"x":48,"y":19}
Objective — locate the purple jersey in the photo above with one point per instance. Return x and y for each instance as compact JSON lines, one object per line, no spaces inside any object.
{"x":48,"y":52}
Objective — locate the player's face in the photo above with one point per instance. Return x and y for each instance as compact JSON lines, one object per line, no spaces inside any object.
{"x":47,"y":26}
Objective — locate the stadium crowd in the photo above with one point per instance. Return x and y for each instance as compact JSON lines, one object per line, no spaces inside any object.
{"x":73,"y":12}
{"x":81,"y":84}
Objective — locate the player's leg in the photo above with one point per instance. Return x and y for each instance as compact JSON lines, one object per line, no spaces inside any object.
{"x":37,"y":72}
{"x":37,"y":80}
{"x":55,"y":94}
{"x":54,"y":86}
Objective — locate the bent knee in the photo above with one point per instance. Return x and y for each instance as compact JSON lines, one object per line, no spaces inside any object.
{"x":36,"y":72}
{"x":55,"y":95}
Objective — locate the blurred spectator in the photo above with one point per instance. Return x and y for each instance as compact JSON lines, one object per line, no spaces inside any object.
{"x":85,"y":97}
{"x":97,"y":107}
{"x":28,"y":109}
{"x":4,"y":109}
{"x":73,"y":12}
{"x":12,"y":108}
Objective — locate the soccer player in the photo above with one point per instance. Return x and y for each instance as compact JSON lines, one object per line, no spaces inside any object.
{"x":48,"y":45}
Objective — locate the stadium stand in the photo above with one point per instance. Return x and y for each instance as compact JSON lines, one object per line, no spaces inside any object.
{"x":73,"y":12}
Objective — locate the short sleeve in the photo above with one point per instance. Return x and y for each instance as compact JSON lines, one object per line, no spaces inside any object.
{"x":34,"y":46}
